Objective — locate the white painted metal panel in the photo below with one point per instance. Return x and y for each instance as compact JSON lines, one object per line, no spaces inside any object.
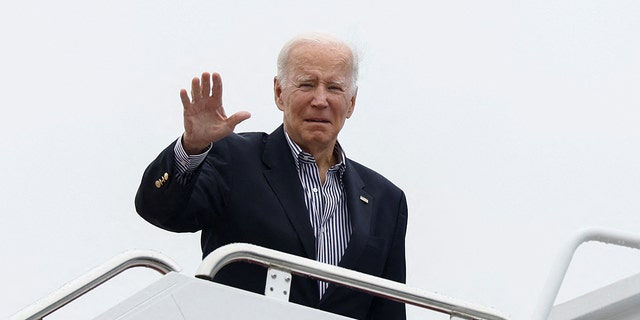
{"x":618,"y":301}
{"x":176,"y":296}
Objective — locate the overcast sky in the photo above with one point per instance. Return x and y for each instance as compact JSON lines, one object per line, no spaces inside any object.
{"x":510,"y":125}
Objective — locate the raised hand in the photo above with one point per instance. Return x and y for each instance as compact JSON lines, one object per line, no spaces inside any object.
{"x":205,"y":120}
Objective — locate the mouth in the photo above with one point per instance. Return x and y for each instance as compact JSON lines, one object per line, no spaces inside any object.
{"x":317,"y":120}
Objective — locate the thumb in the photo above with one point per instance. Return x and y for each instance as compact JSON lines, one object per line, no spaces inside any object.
{"x":238,"y":117}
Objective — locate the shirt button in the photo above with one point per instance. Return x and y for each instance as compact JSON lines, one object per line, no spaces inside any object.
{"x":314,"y":190}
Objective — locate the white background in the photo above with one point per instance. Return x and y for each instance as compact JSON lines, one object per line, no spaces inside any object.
{"x":511,"y":125}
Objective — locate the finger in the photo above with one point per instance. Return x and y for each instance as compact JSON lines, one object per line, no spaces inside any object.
{"x":216,"y":90}
{"x":206,"y":85}
{"x":238,"y":117}
{"x":184,"y":97}
{"x":195,"y":89}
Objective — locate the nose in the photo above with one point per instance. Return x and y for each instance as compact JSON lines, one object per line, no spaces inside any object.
{"x":320,"y":97}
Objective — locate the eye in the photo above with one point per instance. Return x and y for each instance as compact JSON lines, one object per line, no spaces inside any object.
{"x":336,"y":88}
{"x":305,"y":85}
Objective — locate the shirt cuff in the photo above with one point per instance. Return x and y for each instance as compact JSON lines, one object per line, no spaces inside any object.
{"x":188,"y":163}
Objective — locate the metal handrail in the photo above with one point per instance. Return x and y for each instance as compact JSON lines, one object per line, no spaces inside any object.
{"x":559,"y":270}
{"x":313,"y":269}
{"x":94,"y":278}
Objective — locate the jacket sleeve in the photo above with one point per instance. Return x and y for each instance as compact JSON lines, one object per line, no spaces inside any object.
{"x":168,"y":202}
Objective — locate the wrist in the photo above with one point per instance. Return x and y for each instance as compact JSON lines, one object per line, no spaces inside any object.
{"x":192,"y":148}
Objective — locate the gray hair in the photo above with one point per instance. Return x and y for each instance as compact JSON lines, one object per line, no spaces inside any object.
{"x":315,"y":38}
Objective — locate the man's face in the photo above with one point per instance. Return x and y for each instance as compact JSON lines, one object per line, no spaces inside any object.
{"x":317,"y":97}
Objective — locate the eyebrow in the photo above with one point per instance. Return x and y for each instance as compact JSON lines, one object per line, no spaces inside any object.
{"x":306,"y":78}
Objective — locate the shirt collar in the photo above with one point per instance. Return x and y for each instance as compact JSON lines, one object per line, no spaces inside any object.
{"x":300,"y":156}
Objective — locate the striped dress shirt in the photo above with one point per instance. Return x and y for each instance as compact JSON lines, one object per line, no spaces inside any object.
{"x":326,"y":205}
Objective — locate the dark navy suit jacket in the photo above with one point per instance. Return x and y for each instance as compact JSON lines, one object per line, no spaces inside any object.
{"x":248,"y":190}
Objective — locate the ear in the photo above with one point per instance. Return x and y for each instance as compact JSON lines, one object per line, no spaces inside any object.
{"x":353,"y":104}
{"x":277,"y":94}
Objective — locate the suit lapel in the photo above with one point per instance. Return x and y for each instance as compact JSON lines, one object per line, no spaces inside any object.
{"x":282,"y":176}
{"x":359,"y":204}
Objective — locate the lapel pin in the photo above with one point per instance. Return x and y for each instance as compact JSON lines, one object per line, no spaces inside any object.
{"x":365,"y":200}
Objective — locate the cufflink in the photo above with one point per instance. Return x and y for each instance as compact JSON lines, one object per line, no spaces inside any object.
{"x":160,"y":182}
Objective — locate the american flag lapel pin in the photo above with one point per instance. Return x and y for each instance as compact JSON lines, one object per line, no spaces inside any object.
{"x":363,"y":199}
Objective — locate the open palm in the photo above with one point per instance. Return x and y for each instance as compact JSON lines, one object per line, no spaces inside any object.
{"x":205,"y":120}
